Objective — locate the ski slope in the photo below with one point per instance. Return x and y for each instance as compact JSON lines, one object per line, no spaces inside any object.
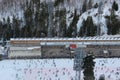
{"x":55,"y":69}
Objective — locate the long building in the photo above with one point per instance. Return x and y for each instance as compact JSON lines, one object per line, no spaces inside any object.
{"x":60,"y":47}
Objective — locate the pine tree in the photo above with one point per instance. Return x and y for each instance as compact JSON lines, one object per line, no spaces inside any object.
{"x":36,"y":21}
{"x":36,"y":2}
{"x":1,"y":29}
{"x":57,"y":2}
{"x":8,"y":30}
{"x":16,"y":27}
{"x":112,"y":21}
{"x":82,"y":29}
{"x":0,"y":57}
{"x":4,"y":27}
{"x":88,"y":28}
{"x":72,"y":30}
{"x":115,"y":6}
{"x":88,"y":67}
{"x":43,"y":19}
{"x":62,"y":22}
{"x":96,"y":5}
{"x":113,"y":25}
{"x":91,"y":28}
{"x":84,"y":7}
{"x":69,"y":32}
{"x":90,"y":4}
{"x":28,"y":17}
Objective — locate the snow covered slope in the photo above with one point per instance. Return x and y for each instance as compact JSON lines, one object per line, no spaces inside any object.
{"x":15,"y":7}
{"x":106,"y":7}
{"x":10,"y":8}
{"x":55,"y":69}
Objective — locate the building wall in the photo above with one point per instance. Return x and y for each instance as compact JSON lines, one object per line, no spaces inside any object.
{"x":16,"y":52}
{"x":55,"y":51}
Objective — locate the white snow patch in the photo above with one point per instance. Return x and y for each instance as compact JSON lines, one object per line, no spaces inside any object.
{"x":54,"y":69}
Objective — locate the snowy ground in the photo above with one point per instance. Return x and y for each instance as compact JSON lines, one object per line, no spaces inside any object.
{"x":54,"y":69}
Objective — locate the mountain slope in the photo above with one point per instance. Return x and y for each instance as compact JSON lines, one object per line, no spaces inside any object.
{"x":73,"y":13}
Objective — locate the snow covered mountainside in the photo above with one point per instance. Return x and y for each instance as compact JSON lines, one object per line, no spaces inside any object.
{"x":10,"y":8}
{"x":106,"y":11}
{"x":64,"y":18}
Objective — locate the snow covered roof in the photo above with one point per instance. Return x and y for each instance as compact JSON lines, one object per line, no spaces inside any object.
{"x":116,"y":37}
